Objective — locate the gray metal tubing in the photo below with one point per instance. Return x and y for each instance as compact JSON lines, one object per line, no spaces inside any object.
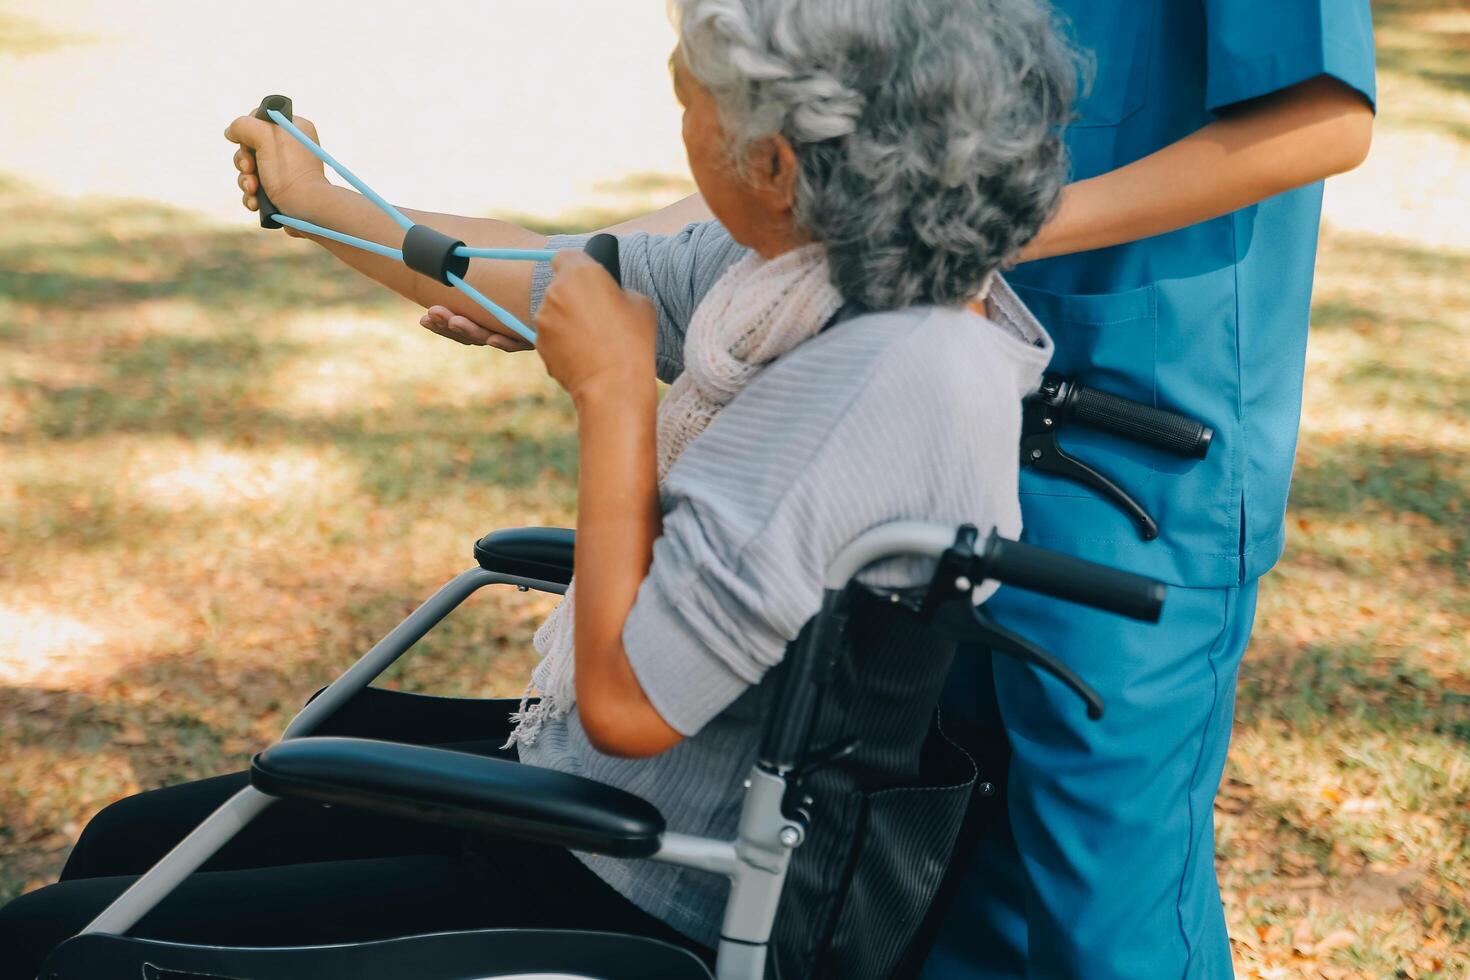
{"x":188,"y":854}
{"x":887,"y":541}
{"x":755,"y":890}
{"x":759,"y":888}
{"x":232,"y":816}
{"x":738,"y":961}
{"x":701,"y":853}
{"x":397,"y":642}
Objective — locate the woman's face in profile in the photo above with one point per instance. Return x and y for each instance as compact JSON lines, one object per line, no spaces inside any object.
{"x":761,"y":221}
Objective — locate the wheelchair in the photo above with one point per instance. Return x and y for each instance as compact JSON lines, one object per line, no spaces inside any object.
{"x":853,"y":801}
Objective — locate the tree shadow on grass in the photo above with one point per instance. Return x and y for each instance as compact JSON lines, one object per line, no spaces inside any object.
{"x":1432,"y":389}
{"x":70,"y":277}
{"x":206,"y":717}
{"x":1439,"y":58}
{"x":402,"y":454}
{"x":89,"y":256}
{"x":1386,"y":263}
{"x":69,"y":726}
{"x":1350,"y":683}
{"x":186,"y":386}
{"x":1364,"y":479}
{"x":1334,"y":313}
{"x":431,"y":456}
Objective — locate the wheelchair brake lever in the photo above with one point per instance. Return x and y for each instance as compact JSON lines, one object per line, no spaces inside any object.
{"x":1040,"y":449}
{"x":954,"y":573}
{"x":1003,"y":641}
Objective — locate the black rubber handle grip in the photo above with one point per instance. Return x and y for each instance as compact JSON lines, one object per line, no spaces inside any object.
{"x":1151,"y":426}
{"x":268,"y":211}
{"x":1072,"y":579}
{"x":604,"y":250}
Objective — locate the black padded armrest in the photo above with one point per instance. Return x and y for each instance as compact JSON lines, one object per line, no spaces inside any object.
{"x":456,"y":789}
{"x":543,"y":553}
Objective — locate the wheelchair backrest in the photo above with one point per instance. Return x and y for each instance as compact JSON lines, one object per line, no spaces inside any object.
{"x":885,"y":816}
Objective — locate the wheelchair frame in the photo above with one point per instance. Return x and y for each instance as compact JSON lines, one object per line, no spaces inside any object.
{"x":756,"y":861}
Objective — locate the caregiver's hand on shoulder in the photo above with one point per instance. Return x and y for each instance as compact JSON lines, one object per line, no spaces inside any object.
{"x":462,"y":330}
{"x":596,"y":338}
{"x":268,"y":153}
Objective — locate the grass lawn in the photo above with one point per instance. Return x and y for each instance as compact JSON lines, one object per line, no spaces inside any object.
{"x":227,"y":466}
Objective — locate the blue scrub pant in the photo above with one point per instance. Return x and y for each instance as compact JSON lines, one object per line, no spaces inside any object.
{"x":1101,"y":864}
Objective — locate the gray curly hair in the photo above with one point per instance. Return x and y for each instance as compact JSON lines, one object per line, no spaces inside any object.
{"x":928,"y":132}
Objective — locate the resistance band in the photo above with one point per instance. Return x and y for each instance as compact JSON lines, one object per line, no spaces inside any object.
{"x":424,"y":250}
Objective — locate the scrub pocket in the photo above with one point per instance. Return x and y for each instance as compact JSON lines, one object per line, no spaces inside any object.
{"x":1103,"y":339}
{"x":1115,"y":38}
{"x":1107,"y":341}
{"x":1171,"y":344}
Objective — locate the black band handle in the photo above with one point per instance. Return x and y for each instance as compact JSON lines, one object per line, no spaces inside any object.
{"x":1169,"y":431}
{"x":431,"y":253}
{"x":268,"y":211}
{"x":1071,"y":579}
{"x":603,"y":249}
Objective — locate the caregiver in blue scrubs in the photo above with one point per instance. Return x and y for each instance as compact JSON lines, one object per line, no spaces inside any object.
{"x":1177,"y":272}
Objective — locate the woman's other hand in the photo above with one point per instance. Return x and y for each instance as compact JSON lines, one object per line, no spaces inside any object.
{"x":268,"y":153}
{"x":595,"y":337}
{"x":462,"y":330}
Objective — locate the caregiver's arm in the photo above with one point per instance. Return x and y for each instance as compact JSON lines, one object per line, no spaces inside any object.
{"x":298,"y":185}
{"x":597,"y":342}
{"x":1258,"y":149}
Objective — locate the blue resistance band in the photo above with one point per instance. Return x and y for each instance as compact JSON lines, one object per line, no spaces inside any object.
{"x":424,"y":250}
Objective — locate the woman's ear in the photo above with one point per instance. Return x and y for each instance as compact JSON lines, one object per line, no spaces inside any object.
{"x":772,"y":167}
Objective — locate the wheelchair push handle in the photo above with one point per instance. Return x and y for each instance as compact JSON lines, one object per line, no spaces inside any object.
{"x":1071,"y":579}
{"x":268,"y":211}
{"x":1134,"y":421}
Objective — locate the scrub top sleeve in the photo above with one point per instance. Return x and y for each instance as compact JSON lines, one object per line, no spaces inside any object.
{"x":1256,"y":47}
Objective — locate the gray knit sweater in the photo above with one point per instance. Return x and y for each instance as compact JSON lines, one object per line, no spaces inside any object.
{"x":913,"y":414}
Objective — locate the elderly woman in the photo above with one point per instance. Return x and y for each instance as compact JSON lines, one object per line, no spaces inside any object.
{"x":871,"y":163}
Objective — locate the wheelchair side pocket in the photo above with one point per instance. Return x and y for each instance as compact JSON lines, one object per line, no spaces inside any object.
{"x":901,"y":850}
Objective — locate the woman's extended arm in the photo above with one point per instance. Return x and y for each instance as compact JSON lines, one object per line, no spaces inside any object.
{"x":305,"y":193}
{"x":1264,"y":147}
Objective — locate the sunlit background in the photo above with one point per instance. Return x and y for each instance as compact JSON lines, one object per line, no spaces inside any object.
{"x":226,"y":465}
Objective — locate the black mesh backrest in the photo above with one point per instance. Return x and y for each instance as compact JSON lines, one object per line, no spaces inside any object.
{"x":885,"y":820}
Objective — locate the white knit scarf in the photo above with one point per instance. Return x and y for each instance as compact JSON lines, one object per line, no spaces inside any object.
{"x":757,"y":311}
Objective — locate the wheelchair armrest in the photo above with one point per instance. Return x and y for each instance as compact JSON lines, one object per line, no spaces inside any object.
{"x":543,"y":553}
{"x":460,"y":790}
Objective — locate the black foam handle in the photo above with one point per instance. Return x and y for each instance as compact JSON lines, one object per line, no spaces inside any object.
{"x":268,"y":211}
{"x":604,"y":250}
{"x":431,"y":253}
{"x":1071,"y":579}
{"x":1137,"y":422}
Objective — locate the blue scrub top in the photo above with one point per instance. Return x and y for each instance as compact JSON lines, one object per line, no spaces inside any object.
{"x":1210,"y":320}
